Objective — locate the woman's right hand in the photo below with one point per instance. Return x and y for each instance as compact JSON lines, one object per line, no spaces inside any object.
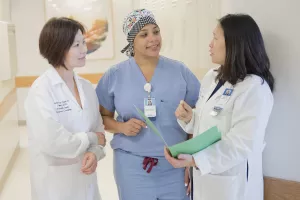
{"x":184,"y":112}
{"x":132,"y":127}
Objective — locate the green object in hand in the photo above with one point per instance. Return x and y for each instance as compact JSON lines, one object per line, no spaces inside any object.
{"x":197,"y":143}
{"x":151,"y":125}
{"x":190,"y":146}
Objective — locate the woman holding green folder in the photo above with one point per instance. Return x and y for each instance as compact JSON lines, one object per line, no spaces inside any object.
{"x":237,"y":98}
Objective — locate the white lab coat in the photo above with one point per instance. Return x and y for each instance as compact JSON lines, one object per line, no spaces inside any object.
{"x":222,"y":167}
{"x":60,"y":133}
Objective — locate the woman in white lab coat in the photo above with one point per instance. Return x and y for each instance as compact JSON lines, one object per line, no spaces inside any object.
{"x":66,"y":134}
{"x":237,"y":98}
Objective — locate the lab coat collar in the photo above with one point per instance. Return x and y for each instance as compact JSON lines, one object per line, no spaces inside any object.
{"x":56,"y":79}
{"x":54,"y":76}
{"x":220,"y":91}
{"x":77,"y":77}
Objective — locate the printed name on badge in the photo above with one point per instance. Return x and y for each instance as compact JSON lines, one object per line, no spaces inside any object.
{"x":62,"y":106}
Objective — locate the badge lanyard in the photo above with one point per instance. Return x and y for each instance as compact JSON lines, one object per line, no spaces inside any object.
{"x":149,"y":103}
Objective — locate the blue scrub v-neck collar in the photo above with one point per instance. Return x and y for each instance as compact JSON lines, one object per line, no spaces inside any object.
{"x":135,"y":65}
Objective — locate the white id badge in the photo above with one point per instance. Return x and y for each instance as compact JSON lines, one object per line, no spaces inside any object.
{"x":149,"y":107}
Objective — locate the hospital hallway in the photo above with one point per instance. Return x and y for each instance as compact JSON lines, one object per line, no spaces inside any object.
{"x":17,"y":185}
{"x":191,"y":39}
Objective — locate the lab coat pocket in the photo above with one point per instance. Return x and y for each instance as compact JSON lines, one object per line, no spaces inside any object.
{"x":224,"y":121}
{"x":216,"y":187}
{"x":67,"y":182}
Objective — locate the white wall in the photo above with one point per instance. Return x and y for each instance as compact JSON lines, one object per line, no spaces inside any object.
{"x":279,"y":23}
{"x":29,"y":18}
{"x":5,"y":14}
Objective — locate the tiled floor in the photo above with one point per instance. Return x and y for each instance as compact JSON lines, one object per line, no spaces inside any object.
{"x":17,"y":187}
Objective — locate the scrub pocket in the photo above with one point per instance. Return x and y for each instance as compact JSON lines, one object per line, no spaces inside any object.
{"x":169,"y":103}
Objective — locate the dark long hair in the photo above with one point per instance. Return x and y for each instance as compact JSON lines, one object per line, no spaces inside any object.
{"x":245,"y":50}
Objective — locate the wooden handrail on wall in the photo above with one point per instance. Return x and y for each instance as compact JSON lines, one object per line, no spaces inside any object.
{"x":279,"y":189}
{"x":9,"y":100}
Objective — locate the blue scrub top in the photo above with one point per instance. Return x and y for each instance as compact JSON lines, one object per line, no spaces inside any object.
{"x":122,"y":87}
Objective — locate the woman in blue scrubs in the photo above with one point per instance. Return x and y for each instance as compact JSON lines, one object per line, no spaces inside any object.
{"x":140,"y":168}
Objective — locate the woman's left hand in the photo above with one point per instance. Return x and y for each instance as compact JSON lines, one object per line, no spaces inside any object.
{"x":89,"y":163}
{"x":184,"y":160}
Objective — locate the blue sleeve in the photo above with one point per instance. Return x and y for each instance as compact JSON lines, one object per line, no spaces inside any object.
{"x":193,"y":87}
{"x":105,"y":92}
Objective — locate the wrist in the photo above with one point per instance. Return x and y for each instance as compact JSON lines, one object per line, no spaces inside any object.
{"x":119,"y":127}
{"x":190,"y":117}
{"x":187,"y":121}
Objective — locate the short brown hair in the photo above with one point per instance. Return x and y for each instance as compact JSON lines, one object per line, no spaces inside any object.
{"x":57,"y":37}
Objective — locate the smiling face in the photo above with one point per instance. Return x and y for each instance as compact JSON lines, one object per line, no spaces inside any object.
{"x":148,"y":41}
{"x":75,"y":57}
{"x":217,"y":46}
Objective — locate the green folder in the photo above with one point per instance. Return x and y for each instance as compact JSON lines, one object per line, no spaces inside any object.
{"x":190,"y":146}
{"x":197,"y":143}
{"x":151,"y":125}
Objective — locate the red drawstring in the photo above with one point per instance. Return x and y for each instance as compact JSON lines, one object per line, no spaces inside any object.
{"x":152,"y":161}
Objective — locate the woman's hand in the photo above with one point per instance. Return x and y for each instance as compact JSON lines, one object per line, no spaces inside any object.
{"x":184,"y":112}
{"x":89,"y":163}
{"x":132,"y":127}
{"x":184,"y":160}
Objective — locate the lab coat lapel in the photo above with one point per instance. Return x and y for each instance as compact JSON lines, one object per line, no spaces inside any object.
{"x":209,"y":91}
{"x":216,"y":97}
{"x":57,"y":80}
{"x":80,"y":90}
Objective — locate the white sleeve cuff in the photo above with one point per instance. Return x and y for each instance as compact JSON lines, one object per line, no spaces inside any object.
{"x":202,"y":162}
{"x":188,"y":128}
{"x":93,"y":139}
{"x":98,"y":150}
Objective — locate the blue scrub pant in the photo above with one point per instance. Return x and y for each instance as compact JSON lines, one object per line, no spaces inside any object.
{"x":163,"y":183}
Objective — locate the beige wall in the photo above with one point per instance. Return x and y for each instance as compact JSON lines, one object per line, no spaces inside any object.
{"x":9,"y":133}
{"x":5,"y":14}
